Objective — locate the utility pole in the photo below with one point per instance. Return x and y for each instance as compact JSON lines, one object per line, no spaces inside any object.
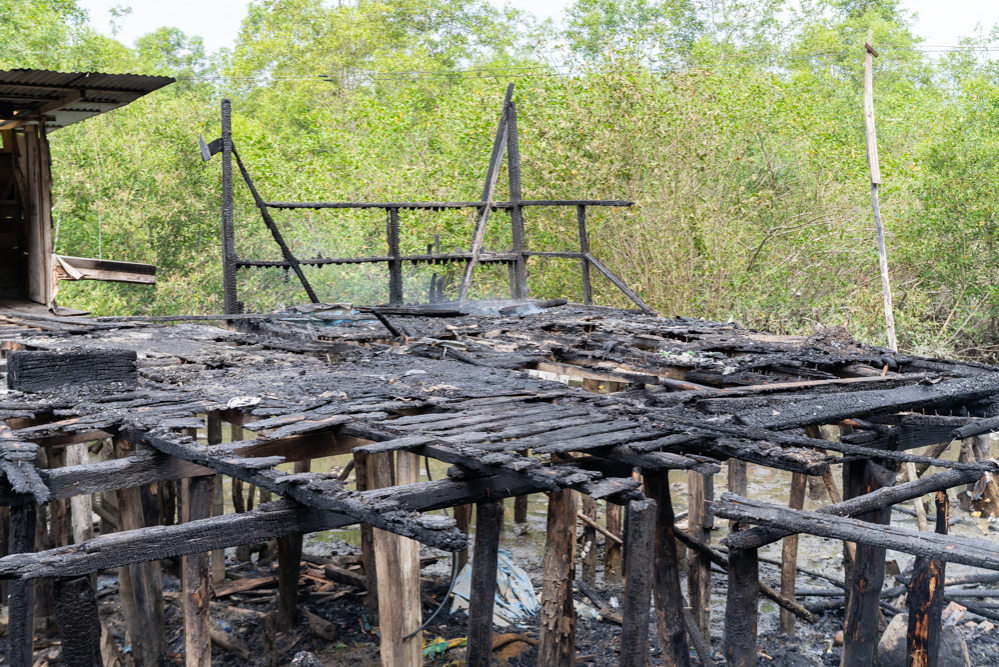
{"x":872,"y":162}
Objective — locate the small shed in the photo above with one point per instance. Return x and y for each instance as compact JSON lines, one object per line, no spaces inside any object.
{"x":34,"y":103}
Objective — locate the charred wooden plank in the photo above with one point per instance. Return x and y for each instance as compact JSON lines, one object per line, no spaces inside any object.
{"x":43,"y":370}
{"x":951,"y":548}
{"x":884,"y":497}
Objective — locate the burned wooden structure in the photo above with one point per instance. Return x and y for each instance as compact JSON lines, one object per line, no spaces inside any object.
{"x":390,"y":385}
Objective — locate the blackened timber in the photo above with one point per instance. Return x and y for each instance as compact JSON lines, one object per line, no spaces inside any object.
{"x":860,"y":632}
{"x":395,"y":264}
{"x":659,"y":461}
{"x":789,"y":554}
{"x":39,"y":370}
{"x":519,"y":287}
{"x":195,"y":577}
{"x":325,"y":493}
{"x":700,"y":498}
{"x":616,"y":203}
{"x":926,"y":600}
{"x":741,"y":609}
{"x":584,"y":248}
{"x":792,"y":459}
{"x":618,"y":283}
{"x":21,"y":594}
{"x":557,"y":618}
{"x":640,"y":517}
{"x":979,"y":427}
{"x":666,"y":583}
{"x":884,"y":497}
{"x":489,"y":518}
{"x":951,"y":548}
{"x":230,"y":303}
{"x":834,"y":407}
{"x":79,"y":622}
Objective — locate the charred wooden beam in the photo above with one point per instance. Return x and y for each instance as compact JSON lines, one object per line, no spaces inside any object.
{"x":926,"y":600}
{"x":884,"y":497}
{"x":742,"y":609}
{"x":21,"y":594}
{"x":42,"y":370}
{"x":489,"y":520}
{"x":557,"y":619}
{"x":951,"y":548}
{"x":640,"y":516}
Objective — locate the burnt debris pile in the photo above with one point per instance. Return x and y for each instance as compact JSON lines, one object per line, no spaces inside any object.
{"x":480,"y":393}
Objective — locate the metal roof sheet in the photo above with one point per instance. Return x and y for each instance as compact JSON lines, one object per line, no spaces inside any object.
{"x":69,"y":96}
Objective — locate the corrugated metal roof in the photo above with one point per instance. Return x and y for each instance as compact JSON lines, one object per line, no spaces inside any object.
{"x":69,"y":96}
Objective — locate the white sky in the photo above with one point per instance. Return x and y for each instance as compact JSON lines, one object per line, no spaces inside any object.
{"x":217,"y":21}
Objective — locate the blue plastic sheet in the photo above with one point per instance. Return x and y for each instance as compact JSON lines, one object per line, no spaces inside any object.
{"x":515,"y":598}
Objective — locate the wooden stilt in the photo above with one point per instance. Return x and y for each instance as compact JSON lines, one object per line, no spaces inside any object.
{"x":520,"y":509}
{"x":81,"y":508}
{"x":21,"y":593}
{"x":612,"y":550}
{"x":195,"y":579}
{"x":4,"y":545}
{"x":926,"y":600}
{"x":289,"y":567}
{"x":742,"y":608}
{"x":638,"y":572}
{"x":79,"y":622}
{"x":666,"y":585}
{"x":700,"y":492}
{"x":557,"y":636}
{"x":214,"y":433}
{"x":789,"y":554}
{"x":488,"y":524}
{"x":145,"y":602}
{"x":860,"y":635}
{"x":738,"y":480}
{"x":364,"y":481}
{"x":397,"y":560}
{"x":463,"y":519}
{"x":239,"y":504}
{"x":589,"y":556}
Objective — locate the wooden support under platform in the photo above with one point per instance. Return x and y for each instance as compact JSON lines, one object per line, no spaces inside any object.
{"x":79,"y":622}
{"x":488,"y":524}
{"x":21,"y":594}
{"x":789,"y":554}
{"x":640,"y":519}
{"x":195,"y":577}
{"x":557,"y":620}
{"x":666,"y":582}
{"x":700,"y":521}
{"x":926,"y":599}
{"x":741,"y":608}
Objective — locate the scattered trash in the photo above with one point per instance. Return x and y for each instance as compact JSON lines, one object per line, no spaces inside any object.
{"x":515,"y":597}
{"x":242,"y":402}
{"x":953,"y":613}
{"x":585,"y":610}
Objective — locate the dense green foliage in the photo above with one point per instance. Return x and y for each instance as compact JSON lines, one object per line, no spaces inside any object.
{"x":735,"y":126}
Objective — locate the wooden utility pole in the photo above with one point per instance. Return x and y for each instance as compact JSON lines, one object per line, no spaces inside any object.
{"x":872,"y":162}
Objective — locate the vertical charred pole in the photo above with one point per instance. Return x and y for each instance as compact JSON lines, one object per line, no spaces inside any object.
{"x":463,"y":521}
{"x":738,"y":481}
{"x":289,"y":550}
{"x":700,"y":490}
{"x":230,"y":303}
{"x":79,"y":622}
{"x":789,"y":554}
{"x":520,"y":504}
{"x":926,"y":600}
{"x":588,"y":560}
{"x":860,"y":635}
{"x":517,"y":212}
{"x":194,"y":579}
{"x":363,"y":482}
{"x":395,"y":264}
{"x":21,"y":592}
{"x":666,"y":585}
{"x":741,"y":608}
{"x":557,"y":636}
{"x":218,"y":501}
{"x":612,"y":550}
{"x":638,"y":572}
{"x":488,"y":521}
{"x":584,"y":247}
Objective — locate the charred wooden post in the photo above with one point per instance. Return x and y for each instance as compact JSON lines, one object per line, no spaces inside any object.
{"x":926,"y":599}
{"x":666,"y":568}
{"x":557,"y":635}
{"x":395,"y":263}
{"x":463,"y":520}
{"x":195,"y":578}
{"x":738,"y":481}
{"x":239,"y":501}
{"x":588,"y":558}
{"x":789,"y":554}
{"x":638,"y":573}
{"x":742,"y":608}
{"x":79,"y":622}
{"x":289,"y":567}
{"x":397,"y":560}
{"x":584,"y":249}
{"x":21,"y":593}
{"x":860,"y":635}
{"x":488,"y":522}
{"x":214,"y":433}
{"x":81,"y":506}
{"x":700,"y":521}
{"x":230,"y":303}
{"x":519,"y":287}
{"x":612,"y":549}
{"x":142,"y":584}
{"x":364,"y":480}
{"x":520,"y":505}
